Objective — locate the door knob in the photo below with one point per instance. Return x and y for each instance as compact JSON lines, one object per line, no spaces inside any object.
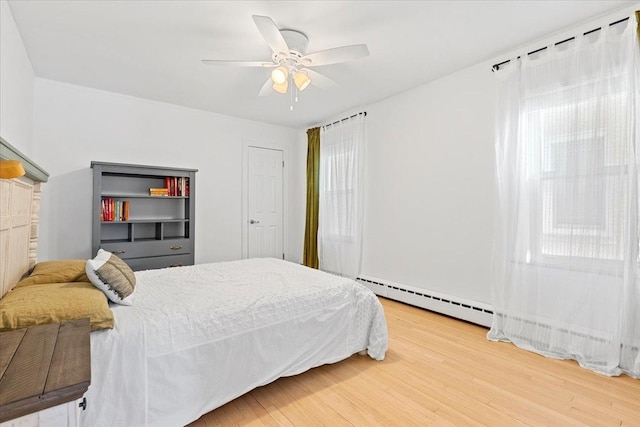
{"x":254,"y":221}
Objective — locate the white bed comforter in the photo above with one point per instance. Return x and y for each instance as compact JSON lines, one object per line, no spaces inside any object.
{"x":197,"y":337}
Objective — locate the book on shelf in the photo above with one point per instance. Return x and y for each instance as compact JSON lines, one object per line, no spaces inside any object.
{"x":176,"y":186}
{"x":125,"y":210}
{"x":158,"y":192}
{"x":112,"y":210}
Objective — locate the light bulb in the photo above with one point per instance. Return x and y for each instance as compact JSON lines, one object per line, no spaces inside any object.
{"x":301,"y":80}
{"x":279,"y":75}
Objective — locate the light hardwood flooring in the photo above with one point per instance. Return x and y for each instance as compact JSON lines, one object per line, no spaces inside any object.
{"x":438,"y":371}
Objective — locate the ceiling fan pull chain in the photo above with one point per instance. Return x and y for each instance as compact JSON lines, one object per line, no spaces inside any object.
{"x":291,"y":105}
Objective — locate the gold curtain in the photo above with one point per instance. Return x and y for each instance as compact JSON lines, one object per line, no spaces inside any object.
{"x":638,"y":19}
{"x":310,"y":253}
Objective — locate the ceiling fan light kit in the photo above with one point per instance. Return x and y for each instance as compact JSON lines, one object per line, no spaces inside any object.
{"x":281,"y":87}
{"x":301,"y":80}
{"x":291,"y":61}
{"x":280,"y":75}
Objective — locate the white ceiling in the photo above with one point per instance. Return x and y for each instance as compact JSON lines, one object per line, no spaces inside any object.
{"x":152,"y":49}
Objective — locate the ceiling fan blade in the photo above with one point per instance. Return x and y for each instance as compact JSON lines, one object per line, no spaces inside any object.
{"x":335,"y":55}
{"x":271,"y":34}
{"x":321,"y":81}
{"x":267,"y":88}
{"x":238,"y":63}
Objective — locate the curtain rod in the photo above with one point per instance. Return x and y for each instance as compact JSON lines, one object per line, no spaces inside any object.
{"x":346,"y":118}
{"x":496,"y":67}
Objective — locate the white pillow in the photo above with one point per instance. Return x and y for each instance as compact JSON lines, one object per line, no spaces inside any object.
{"x":112,"y":276}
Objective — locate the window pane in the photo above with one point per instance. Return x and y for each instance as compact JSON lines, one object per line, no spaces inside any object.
{"x":577,"y":161}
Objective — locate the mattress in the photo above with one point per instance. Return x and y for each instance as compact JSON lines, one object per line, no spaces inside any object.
{"x":197,"y":337}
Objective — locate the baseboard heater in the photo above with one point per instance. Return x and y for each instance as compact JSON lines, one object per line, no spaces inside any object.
{"x":471,"y":311}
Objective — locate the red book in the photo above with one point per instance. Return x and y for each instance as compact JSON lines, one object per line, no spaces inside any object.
{"x":167,"y":185}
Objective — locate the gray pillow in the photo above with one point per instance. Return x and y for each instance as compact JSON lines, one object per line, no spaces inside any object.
{"x":112,"y":276}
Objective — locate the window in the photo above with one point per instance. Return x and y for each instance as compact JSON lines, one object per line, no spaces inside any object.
{"x":567,"y":271}
{"x":339,"y":191}
{"x":341,"y":196}
{"x":578,"y":174}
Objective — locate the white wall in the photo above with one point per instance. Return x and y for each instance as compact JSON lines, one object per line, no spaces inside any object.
{"x":430,"y":186}
{"x":75,"y":125}
{"x":16,"y":85}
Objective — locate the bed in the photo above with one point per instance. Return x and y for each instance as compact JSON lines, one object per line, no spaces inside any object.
{"x":197,"y":337}
{"x":193,"y":338}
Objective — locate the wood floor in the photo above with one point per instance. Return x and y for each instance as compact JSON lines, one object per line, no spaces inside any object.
{"x":438,"y":371}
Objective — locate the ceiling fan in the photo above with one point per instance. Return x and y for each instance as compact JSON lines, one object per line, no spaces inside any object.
{"x":290,"y":61}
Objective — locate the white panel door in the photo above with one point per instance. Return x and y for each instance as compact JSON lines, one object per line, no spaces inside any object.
{"x":265,"y":211}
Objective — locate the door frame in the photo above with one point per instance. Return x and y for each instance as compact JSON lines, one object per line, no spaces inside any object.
{"x":244,"y":220}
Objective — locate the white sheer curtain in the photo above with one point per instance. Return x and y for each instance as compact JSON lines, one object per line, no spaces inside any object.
{"x":568,"y":152}
{"x":341,"y":196}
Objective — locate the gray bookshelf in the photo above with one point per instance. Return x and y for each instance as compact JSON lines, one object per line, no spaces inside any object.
{"x":159,"y":231}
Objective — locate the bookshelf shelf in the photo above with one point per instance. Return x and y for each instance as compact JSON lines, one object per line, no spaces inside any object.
{"x":115,"y":241}
{"x":145,"y":221}
{"x":147,"y":231}
{"x":140,"y":196}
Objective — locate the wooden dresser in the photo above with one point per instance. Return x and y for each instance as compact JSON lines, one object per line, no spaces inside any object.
{"x":43,"y":366}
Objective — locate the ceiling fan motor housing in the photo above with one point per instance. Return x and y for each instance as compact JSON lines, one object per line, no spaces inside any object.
{"x":296,"y":41}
